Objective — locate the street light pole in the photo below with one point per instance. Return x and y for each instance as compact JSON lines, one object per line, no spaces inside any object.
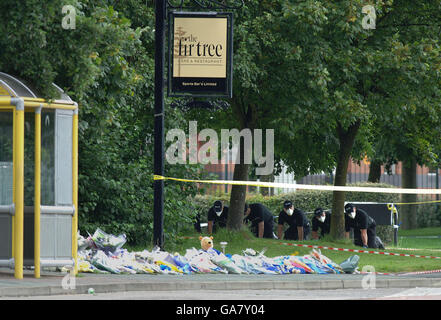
{"x":158,"y":205}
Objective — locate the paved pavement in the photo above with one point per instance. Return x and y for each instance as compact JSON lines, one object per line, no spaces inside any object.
{"x":53,"y":283}
{"x":231,"y":296}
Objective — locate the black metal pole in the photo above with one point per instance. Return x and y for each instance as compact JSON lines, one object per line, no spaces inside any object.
{"x":437,"y":181}
{"x":395,"y":222}
{"x":438,"y":206}
{"x":158,"y":205}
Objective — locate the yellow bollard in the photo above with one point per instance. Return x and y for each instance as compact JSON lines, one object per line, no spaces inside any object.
{"x":37,"y":192}
{"x":19,"y":190}
{"x":14,"y":141}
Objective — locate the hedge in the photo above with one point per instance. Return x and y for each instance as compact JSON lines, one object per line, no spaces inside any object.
{"x":306,"y":200}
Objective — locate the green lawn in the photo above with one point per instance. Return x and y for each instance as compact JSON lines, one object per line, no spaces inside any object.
{"x":425,"y":238}
{"x":420,"y":232}
{"x":420,"y":243}
{"x":237,"y":242}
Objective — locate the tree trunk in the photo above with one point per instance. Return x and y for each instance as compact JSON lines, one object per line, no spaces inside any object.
{"x":346,"y":139}
{"x":267,"y":191}
{"x":238,"y":192}
{"x":237,"y":198}
{"x":409,"y":212}
{"x":375,"y":171}
{"x":246,"y":117}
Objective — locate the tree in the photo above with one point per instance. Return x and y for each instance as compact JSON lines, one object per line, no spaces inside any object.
{"x":311,"y":70}
{"x":106,"y":65}
{"x":410,"y":132}
{"x":261,"y":79}
{"x":368,"y":74}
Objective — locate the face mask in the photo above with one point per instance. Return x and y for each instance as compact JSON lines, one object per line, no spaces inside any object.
{"x":322,"y":219}
{"x":352,"y":214}
{"x":219,"y":213}
{"x":289,"y":212}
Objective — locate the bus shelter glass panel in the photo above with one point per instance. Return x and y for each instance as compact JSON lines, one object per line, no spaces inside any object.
{"x":49,"y":223}
{"x":6,"y":132}
{"x":47,"y":158}
{"x":6,"y":174}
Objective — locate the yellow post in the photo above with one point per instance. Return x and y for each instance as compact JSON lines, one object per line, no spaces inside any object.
{"x":14,"y":141}
{"x":75,"y":189}
{"x":19,"y":189}
{"x":37,"y":192}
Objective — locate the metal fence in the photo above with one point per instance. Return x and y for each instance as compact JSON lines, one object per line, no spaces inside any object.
{"x":426,"y":177}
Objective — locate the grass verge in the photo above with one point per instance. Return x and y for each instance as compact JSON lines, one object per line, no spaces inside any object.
{"x":241,"y":240}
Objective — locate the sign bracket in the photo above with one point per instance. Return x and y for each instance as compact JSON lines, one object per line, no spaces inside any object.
{"x":206,"y":4}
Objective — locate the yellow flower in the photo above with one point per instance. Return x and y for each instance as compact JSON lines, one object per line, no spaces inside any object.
{"x":93,"y":55}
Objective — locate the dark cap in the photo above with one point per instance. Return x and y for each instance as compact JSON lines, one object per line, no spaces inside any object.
{"x":349,"y":207}
{"x":318,"y":212}
{"x":287,"y":204}
{"x":217,"y":206}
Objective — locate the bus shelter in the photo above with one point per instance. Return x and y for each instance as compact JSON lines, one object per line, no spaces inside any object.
{"x":38,"y":178}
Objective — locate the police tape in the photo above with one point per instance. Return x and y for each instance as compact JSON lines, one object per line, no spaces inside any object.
{"x":359,"y":251}
{"x":417,"y":202}
{"x":346,"y":250}
{"x":354,"y":250}
{"x":420,"y":272}
{"x":304,"y":186}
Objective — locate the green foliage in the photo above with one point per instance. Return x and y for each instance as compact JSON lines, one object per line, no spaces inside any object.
{"x":372,"y":197}
{"x":428,"y":212}
{"x":117,"y":187}
{"x":303,"y":68}
{"x":373,"y":76}
{"x":310,"y":70}
{"x":106,"y":65}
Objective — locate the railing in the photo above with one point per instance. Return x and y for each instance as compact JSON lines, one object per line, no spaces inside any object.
{"x":426,"y":178}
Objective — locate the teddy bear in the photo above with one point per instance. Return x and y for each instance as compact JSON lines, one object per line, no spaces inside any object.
{"x":206,"y":243}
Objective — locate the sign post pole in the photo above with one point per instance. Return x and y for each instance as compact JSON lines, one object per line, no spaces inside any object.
{"x":158,"y":205}
{"x":221,"y":53}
